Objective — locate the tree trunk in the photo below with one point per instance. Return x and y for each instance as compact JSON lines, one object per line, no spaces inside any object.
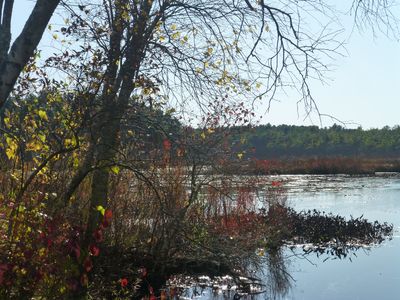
{"x":24,"y":46}
{"x":5,"y":27}
{"x":107,"y":148}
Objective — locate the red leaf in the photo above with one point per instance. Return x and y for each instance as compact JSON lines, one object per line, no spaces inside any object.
{"x":3,"y":270}
{"x":104,"y":224}
{"x":167,"y":145}
{"x":87,"y":264}
{"x":84,"y":279}
{"x":94,"y":250}
{"x":124,"y":282}
{"x":172,"y":292}
{"x":108,"y":215}
{"x":163,"y":295}
{"x":39,"y":275}
{"x":77,"y":250}
{"x":98,"y":235}
{"x":276,"y":183}
{"x":72,"y":284}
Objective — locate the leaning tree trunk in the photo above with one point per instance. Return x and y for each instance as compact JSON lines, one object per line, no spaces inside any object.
{"x":13,"y":62}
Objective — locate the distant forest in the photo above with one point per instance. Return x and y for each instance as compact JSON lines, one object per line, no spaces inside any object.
{"x":289,"y":141}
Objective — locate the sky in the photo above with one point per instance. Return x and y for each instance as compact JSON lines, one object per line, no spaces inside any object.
{"x":363,"y":88}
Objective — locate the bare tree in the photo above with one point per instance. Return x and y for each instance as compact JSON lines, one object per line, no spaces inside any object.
{"x":215,"y":54}
{"x":377,"y":15}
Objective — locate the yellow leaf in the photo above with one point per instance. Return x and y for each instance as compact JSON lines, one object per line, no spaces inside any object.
{"x":43,"y":171}
{"x":42,"y":137}
{"x":115,"y":169}
{"x":101,"y":209}
{"x":42,"y":251}
{"x":176,"y":35}
{"x":75,"y":163}
{"x":7,"y":122}
{"x":10,"y":154}
{"x":203,"y":135}
{"x":43,"y":115}
{"x":170,"y":111}
{"x":33,"y":146}
{"x":240,"y":155}
{"x":69,"y":142}
{"x":9,"y":140}
{"x":12,"y":148}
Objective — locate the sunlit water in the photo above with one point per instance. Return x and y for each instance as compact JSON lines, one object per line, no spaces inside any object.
{"x":373,"y":274}
{"x":368,"y":274}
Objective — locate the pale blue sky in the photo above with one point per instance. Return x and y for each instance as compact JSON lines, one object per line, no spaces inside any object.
{"x":364,"y":86}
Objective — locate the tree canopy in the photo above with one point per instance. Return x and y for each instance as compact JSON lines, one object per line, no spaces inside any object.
{"x":285,"y":141}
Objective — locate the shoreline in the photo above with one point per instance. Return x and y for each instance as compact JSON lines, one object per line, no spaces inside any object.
{"x":316,"y":166}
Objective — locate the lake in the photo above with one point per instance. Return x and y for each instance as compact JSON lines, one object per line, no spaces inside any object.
{"x":372,"y":273}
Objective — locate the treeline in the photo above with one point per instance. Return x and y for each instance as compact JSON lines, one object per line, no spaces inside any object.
{"x":289,"y":141}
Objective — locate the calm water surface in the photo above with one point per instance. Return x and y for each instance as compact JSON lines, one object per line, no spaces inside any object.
{"x":370,"y":274}
{"x":373,"y":274}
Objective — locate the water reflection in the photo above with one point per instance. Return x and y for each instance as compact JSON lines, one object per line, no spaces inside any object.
{"x":298,"y":270}
{"x":366,"y":273}
{"x":277,"y":275}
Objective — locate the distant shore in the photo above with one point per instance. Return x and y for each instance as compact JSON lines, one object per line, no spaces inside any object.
{"x":319,"y":166}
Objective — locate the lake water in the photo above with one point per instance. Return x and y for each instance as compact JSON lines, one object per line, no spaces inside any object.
{"x":372,"y":274}
{"x":369,"y":274}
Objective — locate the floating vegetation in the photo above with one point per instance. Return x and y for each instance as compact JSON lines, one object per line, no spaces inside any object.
{"x":320,"y":232}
